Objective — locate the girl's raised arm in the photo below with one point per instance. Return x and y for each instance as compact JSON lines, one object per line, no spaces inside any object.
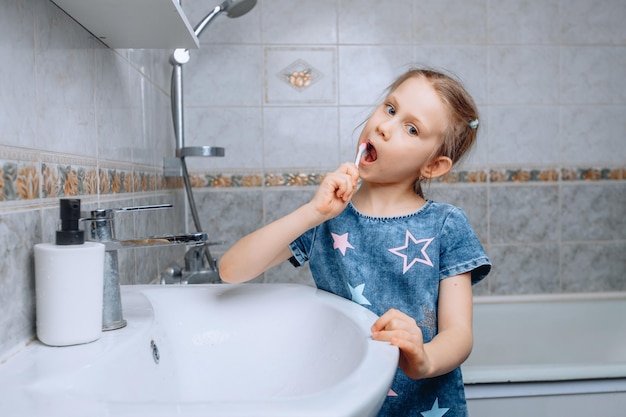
{"x":268,"y":246}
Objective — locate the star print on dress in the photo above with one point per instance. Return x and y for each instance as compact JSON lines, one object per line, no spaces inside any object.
{"x":429,"y":321}
{"x":357,"y":295}
{"x":435,"y":411}
{"x":341,"y":242}
{"x":425,"y":259}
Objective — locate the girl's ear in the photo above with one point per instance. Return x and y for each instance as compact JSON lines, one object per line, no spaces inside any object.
{"x":441,"y":165}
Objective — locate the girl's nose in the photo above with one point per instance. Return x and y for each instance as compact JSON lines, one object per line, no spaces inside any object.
{"x":384,"y":129}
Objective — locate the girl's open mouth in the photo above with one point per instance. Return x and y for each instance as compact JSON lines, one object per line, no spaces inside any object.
{"x":371,"y":154}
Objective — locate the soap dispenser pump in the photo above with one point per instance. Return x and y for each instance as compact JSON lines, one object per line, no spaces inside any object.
{"x":69,"y":283}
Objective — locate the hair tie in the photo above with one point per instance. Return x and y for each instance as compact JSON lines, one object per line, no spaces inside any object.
{"x":473,"y":124}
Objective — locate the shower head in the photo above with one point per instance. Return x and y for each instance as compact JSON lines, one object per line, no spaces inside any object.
{"x":236,"y":8}
{"x":232,"y":8}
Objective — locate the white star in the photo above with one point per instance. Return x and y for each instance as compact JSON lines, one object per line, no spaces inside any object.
{"x":435,"y":411}
{"x":357,"y":295}
{"x":341,"y":242}
{"x":425,"y":260}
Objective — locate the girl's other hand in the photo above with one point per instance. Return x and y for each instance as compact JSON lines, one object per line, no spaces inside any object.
{"x":402,"y":331}
{"x":336,"y":190}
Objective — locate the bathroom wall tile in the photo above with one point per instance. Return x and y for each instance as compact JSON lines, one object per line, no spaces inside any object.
{"x":224,"y":76}
{"x":593,"y":212}
{"x":228,"y":215}
{"x":143,"y":103}
{"x":300,"y":76}
{"x":158,"y":129}
{"x":351,"y":122}
{"x":316,"y":22}
{"x":243,"y":29}
{"x":589,"y":75}
{"x":523,"y":22}
{"x":68,"y":177}
{"x":390,"y":24}
{"x":360,"y":84}
{"x":451,"y":22}
{"x":467,"y":63}
{"x":524,"y":269}
{"x":524,"y":74}
{"x":153,"y":64}
{"x":17,"y":122}
{"x":603,"y":264}
{"x":280,"y":202}
{"x":238,"y":130}
{"x":593,"y":21}
{"x":523,"y":135}
{"x":153,"y":124}
{"x":161,"y":71}
{"x":18,"y":232}
{"x":116,"y":115}
{"x":64,"y":70}
{"x":300,"y":137}
{"x":20,"y":179}
{"x":524,"y":214}
{"x":592,"y":135}
{"x":117,"y":129}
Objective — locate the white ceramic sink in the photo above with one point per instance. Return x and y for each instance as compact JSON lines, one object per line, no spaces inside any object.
{"x":211,"y":350}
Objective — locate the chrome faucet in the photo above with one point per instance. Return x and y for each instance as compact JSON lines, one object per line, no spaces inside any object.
{"x":102,"y":230}
{"x":194,"y":271}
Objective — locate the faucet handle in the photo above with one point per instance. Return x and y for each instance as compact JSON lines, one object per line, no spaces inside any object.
{"x":148,"y":207}
{"x":102,"y":230}
{"x":103,"y":214}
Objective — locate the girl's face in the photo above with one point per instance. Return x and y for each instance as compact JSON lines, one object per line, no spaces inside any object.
{"x":403,"y":133}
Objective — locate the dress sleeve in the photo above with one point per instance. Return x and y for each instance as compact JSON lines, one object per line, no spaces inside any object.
{"x":461,"y":251}
{"x":300,"y":248}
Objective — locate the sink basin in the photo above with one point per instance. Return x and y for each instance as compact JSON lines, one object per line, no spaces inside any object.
{"x":211,"y":350}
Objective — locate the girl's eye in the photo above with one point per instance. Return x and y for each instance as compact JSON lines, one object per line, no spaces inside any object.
{"x":390,"y":109}
{"x":412,"y":130}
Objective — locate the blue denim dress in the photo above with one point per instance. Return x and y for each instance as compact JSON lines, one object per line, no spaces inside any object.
{"x":397,"y":262}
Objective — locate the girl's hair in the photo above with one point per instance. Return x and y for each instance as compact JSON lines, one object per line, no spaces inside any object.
{"x":460,"y":134}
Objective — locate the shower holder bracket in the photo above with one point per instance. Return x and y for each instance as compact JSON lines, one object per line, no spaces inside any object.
{"x":172,"y":167}
{"x":200,"y":151}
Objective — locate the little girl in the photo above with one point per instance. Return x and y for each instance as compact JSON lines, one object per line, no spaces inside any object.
{"x":411,"y":261}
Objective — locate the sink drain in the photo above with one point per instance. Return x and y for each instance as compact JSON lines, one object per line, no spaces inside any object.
{"x":155,"y":352}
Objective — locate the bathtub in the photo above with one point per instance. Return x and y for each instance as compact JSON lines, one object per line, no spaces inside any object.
{"x":548,"y":355}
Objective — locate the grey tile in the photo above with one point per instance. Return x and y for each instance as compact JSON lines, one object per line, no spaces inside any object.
{"x":18,"y":234}
{"x":524,"y":214}
{"x":594,"y":266}
{"x":524,"y":269}
{"x":593,"y":211}
{"x":229,"y":215}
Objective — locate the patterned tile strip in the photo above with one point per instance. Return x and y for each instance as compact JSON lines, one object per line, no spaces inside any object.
{"x":29,"y":175}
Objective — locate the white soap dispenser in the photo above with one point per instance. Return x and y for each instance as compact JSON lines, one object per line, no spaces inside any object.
{"x":69,"y":283}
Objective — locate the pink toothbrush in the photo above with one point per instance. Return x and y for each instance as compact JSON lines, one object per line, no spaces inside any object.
{"x":359,"y":154}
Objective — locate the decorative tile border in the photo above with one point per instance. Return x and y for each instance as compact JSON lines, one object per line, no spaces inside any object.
{"x":30,"y":175}
{"x":493,"y":176}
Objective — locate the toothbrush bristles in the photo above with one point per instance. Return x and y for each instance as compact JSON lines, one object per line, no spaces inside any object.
{"x":359,"y":154}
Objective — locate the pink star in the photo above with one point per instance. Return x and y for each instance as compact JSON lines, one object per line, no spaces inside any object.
{"x":398,"y":251}
{"x":341,"y":242}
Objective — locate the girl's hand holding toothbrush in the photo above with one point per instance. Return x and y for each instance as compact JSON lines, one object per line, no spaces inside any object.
{"x":336,"y":190}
